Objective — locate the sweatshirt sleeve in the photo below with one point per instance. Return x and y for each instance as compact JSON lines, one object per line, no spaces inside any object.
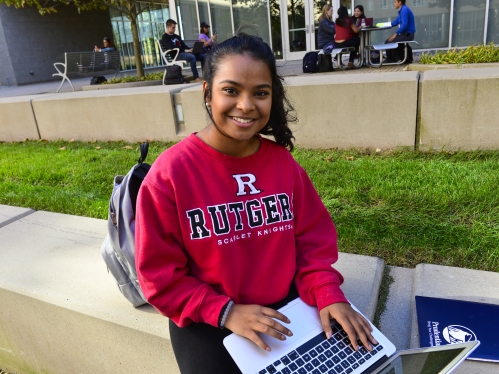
{"x":326,"y":28}
{"x":403,"y":21}
{"x":318,"y":283}
{"x":162,"y":264}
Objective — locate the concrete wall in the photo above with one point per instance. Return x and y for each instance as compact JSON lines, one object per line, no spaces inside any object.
{"x":34,"y":42}
{"x":455,"y":109}
{"x":458,"y":109}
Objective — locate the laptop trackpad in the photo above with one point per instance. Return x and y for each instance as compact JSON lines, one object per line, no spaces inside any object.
{"x":303,"y":318}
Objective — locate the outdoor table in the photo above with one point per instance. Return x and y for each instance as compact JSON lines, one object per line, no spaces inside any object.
{"x":365,"y":39}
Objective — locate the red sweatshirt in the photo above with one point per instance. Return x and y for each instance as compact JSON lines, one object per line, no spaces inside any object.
{"x":212,"y":227}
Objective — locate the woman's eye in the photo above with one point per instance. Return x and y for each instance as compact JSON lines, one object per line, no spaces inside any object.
{"x":262,"y":93}
{"x":230,"y":90}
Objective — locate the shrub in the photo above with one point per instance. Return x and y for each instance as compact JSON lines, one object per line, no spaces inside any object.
{"x":470,"y":55}
{"x":157,"y":76}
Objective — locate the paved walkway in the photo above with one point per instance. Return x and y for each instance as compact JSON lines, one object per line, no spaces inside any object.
{"x":289,"y":68}
{"x":61,"y":311}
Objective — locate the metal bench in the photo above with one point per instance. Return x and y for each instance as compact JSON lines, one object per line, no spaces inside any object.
{"x":87,"y":64}
{"x":387,"y":46}
{"x":339,"y":52}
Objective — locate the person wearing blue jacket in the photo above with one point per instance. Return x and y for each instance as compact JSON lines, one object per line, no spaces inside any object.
{"x":405,"y":32}
{"x":326,"y":30}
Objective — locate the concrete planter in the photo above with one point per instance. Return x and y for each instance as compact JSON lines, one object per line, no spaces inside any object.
{"x":121,"y":85}
{"x":426,"y":67}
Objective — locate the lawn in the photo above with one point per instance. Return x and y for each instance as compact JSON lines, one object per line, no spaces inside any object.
{"x":404,"y":206}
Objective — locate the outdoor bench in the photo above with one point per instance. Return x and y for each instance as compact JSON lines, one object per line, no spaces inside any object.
{"x":384,"y":47}
{"x":339,"y":52}
{"x":87,"y":64}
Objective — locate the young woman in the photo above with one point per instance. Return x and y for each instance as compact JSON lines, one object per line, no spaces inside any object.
{"x":107,"y":46}
{"x":230,"y":228}
{"x":325,"y":37}
{"x":358,"y":14}
{"x":346,"y":35}
{"x":204,"y":37}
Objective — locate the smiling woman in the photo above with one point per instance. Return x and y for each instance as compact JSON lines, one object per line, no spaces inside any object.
{"x":229,"y":227}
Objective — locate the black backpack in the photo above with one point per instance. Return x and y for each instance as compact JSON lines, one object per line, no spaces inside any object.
{"x":174,"y":75}
{"x":325,"y":63}
{"x":98,"y":80}
{"x":310,"y":62}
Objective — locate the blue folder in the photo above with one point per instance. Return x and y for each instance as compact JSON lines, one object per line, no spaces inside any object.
{"x":446,"y":321}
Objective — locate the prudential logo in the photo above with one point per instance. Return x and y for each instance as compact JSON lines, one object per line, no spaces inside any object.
{"x":458,"y":334}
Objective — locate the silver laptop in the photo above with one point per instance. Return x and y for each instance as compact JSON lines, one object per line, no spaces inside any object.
{"x":308,"y":350}
{"x":197,"y":48}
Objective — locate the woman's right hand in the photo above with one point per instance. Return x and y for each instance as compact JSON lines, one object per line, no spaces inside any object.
{"x":248,"y":320}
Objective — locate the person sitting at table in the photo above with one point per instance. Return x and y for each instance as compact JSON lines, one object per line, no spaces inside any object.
{"x":325,"y":38}
{"x":405,"y":32}
{"x":204,"y":36}
{"x":358,"y":14}
{"x":344,"y":36}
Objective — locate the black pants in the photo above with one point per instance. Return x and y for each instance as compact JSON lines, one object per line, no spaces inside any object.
{"x":199,"y":348}
{"x":353,"y":42}
{"x":398,"y":54}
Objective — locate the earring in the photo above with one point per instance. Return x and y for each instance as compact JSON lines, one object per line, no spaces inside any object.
{"x":207,"y":105}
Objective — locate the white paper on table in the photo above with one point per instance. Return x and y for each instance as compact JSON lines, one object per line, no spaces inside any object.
{"x":383,"y":24}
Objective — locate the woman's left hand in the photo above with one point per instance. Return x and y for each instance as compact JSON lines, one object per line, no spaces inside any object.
{"x":354,"y":324}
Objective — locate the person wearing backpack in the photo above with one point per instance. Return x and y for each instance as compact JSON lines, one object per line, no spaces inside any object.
{"x":229,"y":227}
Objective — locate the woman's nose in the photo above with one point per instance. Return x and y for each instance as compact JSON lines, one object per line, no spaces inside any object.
{"x":246,"y":103}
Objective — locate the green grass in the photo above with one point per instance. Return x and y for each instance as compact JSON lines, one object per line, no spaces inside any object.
{"x":471,"y":55}
{"x":404,"y":206}
{"x":157,"y":76}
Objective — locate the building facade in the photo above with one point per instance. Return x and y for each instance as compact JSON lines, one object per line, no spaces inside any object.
{"x":30,"y":43}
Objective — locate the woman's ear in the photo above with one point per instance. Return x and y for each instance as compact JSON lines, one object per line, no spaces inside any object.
{"x":206,"y":93}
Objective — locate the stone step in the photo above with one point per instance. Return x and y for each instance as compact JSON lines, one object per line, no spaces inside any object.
{"x":61,"y":311}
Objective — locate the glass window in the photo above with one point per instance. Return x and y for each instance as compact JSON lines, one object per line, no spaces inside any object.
{"x":370,"y":5}
{"x":254,"y":12}
{"x":220,"y":19}
{"x":383,"y":4}
{"x":468,"y":24}
{"x":275,"y":26}
{"x":203,"y":13}
{"x":188,"y":20}
{"x":297,"y":26}
{"x":417,"y":3}
{"x":493,"y":22}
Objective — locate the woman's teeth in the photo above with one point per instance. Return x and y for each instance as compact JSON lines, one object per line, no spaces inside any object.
{"x":242,"y":120}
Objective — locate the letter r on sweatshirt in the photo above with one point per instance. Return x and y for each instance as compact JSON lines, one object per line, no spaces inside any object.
{"x":245,"y":180}
{"x":197,"y":222}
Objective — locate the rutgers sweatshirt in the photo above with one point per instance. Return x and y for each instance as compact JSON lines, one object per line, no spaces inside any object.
{"x":212,"y":228}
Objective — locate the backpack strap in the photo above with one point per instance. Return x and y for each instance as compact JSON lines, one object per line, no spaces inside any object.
{"x":144,"y":149}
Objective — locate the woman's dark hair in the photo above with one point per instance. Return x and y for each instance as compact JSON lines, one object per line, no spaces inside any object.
{"x":361,"y":8}
{"x":109,"y":41}
{"x":343,"y":17}
{"x":254,"y":47}
{"x":203,"y":28}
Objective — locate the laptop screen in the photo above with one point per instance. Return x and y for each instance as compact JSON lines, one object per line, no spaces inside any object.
{"x":422,"y":362}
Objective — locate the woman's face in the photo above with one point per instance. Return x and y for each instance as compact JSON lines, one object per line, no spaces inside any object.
{"x":105,"y":43}
{"x":241,"y":97}
{"x":357,"y":13}
{"x":330,"y":12}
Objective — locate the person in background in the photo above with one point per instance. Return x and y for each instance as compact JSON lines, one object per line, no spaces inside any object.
{"x":405,"y":32}
{"x":204,"y":37}
{"x":325,"y":38}
{"x":346,"y":35}
{"x":358,"y":14}
{"x":171,"y":40}
{"x":107,"y":46}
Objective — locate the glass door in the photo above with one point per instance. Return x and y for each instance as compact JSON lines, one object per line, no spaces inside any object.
{"x":300,"y":26}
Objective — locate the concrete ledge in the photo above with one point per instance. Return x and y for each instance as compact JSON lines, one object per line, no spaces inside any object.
{"x":458,"y":109}
{"x":144,"y":113}
{"x":355,"y":110}
{"x":395,"y":322}
{"x":61,"y":311}
{"x":427,"y":67}
{"x":17,"y":121}
{"x":459,"y":284}
{"x":9,"y":214}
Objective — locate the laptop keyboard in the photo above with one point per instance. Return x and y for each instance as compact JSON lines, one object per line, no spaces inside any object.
{"x":319,"y":356}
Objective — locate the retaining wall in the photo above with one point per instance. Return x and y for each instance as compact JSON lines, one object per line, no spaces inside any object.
{"x":454,"y":109}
